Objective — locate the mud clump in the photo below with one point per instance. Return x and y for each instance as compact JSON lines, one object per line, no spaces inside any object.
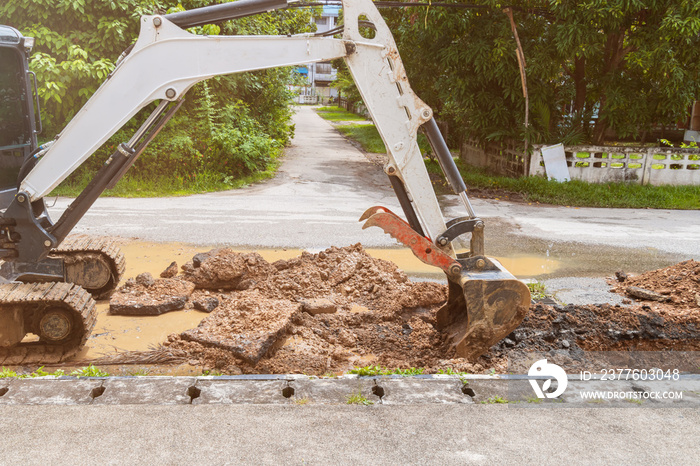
{"x":147,"y":296}
{"x":226,"y":270}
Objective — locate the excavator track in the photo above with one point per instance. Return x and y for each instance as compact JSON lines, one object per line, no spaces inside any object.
{"x":61,"y":314}
{"x":96,"y":264}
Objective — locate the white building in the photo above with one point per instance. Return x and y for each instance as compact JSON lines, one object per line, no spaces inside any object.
{"x":320,"y":75}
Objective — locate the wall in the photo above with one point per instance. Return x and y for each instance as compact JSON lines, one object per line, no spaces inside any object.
{"x":594,"y":164}
{"x":642,"y":165}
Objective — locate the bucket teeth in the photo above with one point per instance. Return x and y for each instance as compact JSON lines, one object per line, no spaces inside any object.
{"x":401,"y":231}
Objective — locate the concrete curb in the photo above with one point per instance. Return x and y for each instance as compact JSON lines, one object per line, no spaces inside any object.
{"x":380,"y":390}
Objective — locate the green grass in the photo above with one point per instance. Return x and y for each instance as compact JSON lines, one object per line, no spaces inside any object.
{"x":495,"y":400}
{"x":537,"y":290}
{"x":369,"y":371}
{"x":89,"y":371}
{"x":577,"y":193}
{"x":370,"y":141}
{"x":338,"y":114}
{"x":6,"y":373}
{"x":366,"y":135}
{"x":450,"y":371}
{"x":137,"y":186}
{"x":358,"y":399}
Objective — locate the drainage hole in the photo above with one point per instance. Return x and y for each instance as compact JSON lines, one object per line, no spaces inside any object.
{"x":378,"y":390}
{"x":97,"y":391}
{"x":193,"y":392}
{"x":288,"y":392}
{"x":468,"y":391}
{"x":4,"y":390}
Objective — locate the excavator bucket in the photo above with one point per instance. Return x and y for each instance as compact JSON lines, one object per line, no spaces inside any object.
{"x":482,"y":308}
{"x":485,"y":302}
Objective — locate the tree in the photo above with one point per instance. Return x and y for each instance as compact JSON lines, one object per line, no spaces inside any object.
{"x":228,"y":127}
{"x":631,"y":64}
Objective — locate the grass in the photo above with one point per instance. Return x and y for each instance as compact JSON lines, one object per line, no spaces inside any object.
{"x":577,"y":193}
{"x":89,"y":371}
{"x":450,"y":371}
{"x":495,"y":400}
{"x":574,"y":193}
{"x":537,"y":290}
{"x":369,"y":371}
{"x":338,"y":114}
{"x":135,"y":186}
{"x":366,"y":135}
{"x":358,"y":399}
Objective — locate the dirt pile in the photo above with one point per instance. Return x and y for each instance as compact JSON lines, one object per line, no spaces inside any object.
{"x":317,"y":313}
{"x":679,"y":285}
{"x":328,"y":312}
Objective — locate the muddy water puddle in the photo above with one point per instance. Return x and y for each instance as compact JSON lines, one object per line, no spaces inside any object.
{"x":130,"y":333}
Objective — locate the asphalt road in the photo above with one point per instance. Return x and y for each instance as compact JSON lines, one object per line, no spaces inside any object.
{"x":325,"y":184}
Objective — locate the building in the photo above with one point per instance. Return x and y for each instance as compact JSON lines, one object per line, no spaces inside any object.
{"x":320,"y":76}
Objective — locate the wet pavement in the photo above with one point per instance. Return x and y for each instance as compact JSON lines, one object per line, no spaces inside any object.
{"x":325,"y":183}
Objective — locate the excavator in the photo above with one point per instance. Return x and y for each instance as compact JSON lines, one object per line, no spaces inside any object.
{"x":49,"y":282}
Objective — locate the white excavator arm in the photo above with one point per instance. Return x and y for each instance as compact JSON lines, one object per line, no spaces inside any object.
{"x":166,"y":61}
{"x":485,"y":302}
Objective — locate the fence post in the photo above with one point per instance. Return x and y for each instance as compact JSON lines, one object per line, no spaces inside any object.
{"x":646,"y":166}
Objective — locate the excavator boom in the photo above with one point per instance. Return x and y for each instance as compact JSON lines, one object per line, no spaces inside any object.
{"x":485,"y":302}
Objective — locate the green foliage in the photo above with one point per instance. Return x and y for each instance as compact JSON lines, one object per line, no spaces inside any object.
{"x":633,"y":65}
{"x":369,"y":371}
{"x":40,"y":372}
{"x":338,"y":114}
{"x":366,"y":135}
{"x":7,"y":373}
{"x":77,"y":45}
{"x":229,"y":128}
{"x":495,"y":400}
{"x":450,"y":371}
{"x":537,"y":290}
{"x":358,"y":399}
{"x":89,"y":371}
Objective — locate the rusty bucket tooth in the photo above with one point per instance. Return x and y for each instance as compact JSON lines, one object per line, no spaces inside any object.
{"x":373,"y":210}
{"x":482,"y":308}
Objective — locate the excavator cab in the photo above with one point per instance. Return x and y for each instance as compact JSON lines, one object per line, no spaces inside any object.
{"x":18,"y":117}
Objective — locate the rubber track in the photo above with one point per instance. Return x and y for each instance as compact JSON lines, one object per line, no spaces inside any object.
{"x":103,"y":246}
{"x":29,"y":295}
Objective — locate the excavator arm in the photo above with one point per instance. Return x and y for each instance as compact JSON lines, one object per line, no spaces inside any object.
{"x":485,"y":301}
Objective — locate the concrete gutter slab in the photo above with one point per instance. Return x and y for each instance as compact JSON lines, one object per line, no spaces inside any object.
{"x":49,"y":391}
{"x":515,"y":390}
{"x":146,"y":390}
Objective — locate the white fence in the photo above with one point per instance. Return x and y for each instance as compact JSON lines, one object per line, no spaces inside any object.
{"x":642,"y":165}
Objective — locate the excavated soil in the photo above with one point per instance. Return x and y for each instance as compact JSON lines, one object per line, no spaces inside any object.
{"x":679,"y":285}
{"x":332,"y":311}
